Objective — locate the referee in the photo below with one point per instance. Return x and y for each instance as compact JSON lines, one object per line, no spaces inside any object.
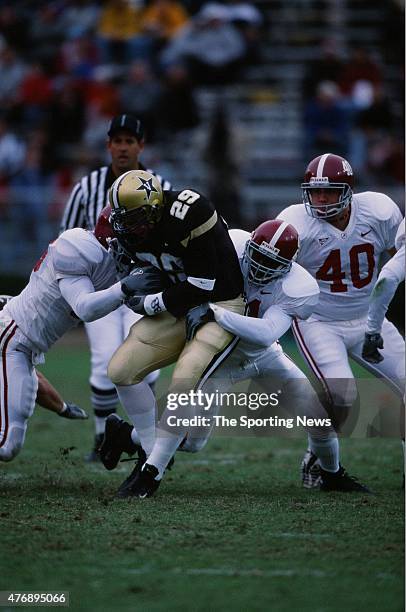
{"x":88,"y":197}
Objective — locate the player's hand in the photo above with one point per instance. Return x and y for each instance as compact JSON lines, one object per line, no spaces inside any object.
{"x":71,"y":411}
{"x":143,"y":281}
{"x":372,"y":342}
{"x":136,"y":303}
{"x":196,"y":317}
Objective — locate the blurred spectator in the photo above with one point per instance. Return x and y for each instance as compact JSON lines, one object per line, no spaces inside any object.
{"x":178,"y":108}
{"x":79,"y":17}
{"x":31,"y":189}
{"x":359,"y":67}
{"x":79,"y":57}
{"x":212,"y":49}
{"x":46,"y":32}
{"x":14,"y":27}
{"x":12,"y":71}
{"x":140,"y":94}
{"x":223,"y":173}
{"x":119,"y":24}
{"x":102,"y":102}
{"x":326,"y":122}
{"x":34,"y":95}
{"x":248,"y":20}
{"x":66,"y":119}
{"x":12,"y":152}
{"x":162,"y":20}
{"x":327,"y":67}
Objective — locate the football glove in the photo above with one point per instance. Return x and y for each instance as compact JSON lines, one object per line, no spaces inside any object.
{"x":144,"y":281}
{"x":372,"y":342}
{"x":135,"y":303}
{"x":196,"y":317}
{"x":71,"y":411}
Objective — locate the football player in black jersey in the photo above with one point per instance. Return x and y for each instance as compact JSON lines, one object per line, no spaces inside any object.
{"x":181,"y":234}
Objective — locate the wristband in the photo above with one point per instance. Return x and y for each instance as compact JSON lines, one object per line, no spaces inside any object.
{"x":154,"y":304}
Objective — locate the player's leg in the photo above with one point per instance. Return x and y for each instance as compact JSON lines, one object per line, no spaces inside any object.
{"x":105,"y":336}
{"x":323,"y":347}
{"x":18,"y":384}
{"x":153,"y":342}
{"x":198,"y":360}
{"x":128,"y":319}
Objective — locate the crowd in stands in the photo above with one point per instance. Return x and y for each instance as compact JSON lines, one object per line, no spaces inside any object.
{"x":68,"y":66}
{"x":348,"y":112}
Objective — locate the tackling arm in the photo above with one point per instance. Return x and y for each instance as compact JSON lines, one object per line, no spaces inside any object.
{"x":87,"y":303}
{"x":260,"y":332}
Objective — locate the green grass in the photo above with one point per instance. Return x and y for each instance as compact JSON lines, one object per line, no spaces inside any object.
{"x":229,"y":529}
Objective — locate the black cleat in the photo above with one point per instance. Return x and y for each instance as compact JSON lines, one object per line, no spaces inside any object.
{"x":141,"y":483}
{"x":116,"y":440}
{"x":341,"y":481}
{"x":310,"y":470}
{"x":94,"y":455}
{"x":139,"y":462}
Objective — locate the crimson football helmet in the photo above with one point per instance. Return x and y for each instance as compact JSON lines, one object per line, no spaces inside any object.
{"x":328,"y":171}
{"x":103,"y":230}
{"x":269,"y":253}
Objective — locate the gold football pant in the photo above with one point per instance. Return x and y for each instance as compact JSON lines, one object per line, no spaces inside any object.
{"x":155,"y":342}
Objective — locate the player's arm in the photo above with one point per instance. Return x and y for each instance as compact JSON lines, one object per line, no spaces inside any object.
{"x":87,"y":303}
{"x":392,"y":273}
{"x":49,"y":398}
{"x":259,"y":332}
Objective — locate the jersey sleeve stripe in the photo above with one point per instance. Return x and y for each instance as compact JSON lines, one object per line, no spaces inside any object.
{"x":201,"y":229}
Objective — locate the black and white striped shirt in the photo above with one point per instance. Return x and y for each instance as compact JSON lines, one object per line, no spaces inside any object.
{"x":89,"y":197}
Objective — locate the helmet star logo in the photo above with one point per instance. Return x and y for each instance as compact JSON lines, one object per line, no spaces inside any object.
{"x":147,"y":186}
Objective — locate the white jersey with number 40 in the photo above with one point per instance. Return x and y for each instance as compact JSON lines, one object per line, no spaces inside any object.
{"x":345,"y":262}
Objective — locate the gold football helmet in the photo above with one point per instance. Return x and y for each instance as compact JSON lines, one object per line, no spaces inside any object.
{"x":136,"y":199}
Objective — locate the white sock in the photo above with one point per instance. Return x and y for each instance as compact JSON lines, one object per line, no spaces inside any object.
{"x":100,"y":424}
{"x":327,"y":451}
{"x":164,"y":449}
{"x":140,"y":405}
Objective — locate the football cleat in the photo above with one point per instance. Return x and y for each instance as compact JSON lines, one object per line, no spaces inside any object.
{"x":116,"y":440}
{"x":94,"y":455}
{"x":72,"y":411}
{"x":341,"y":481}
{"x":141,"y":483}
{"x":310,"y":470}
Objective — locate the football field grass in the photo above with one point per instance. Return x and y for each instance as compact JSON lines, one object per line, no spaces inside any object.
{"x":229,"y":529}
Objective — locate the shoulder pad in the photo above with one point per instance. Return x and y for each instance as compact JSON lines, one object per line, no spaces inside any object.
{"x":239,"y":239}
{"x":400,"y":236}
{"x":299,"y":283}
{"x":379,"y":205}
{"x":297,"y":216}
{"x":75,"y":251}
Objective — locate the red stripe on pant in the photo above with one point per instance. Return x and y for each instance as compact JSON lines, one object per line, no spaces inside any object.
{"x":309,"y":358}
{"x":5,"y":391}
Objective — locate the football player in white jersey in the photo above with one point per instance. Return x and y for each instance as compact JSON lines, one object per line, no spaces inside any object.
{"x":391,"y":275}
{"x":342,"y":236}
{"x":75,"y":279}
{"x":47,"y":396}
{"x":276,"y":289}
